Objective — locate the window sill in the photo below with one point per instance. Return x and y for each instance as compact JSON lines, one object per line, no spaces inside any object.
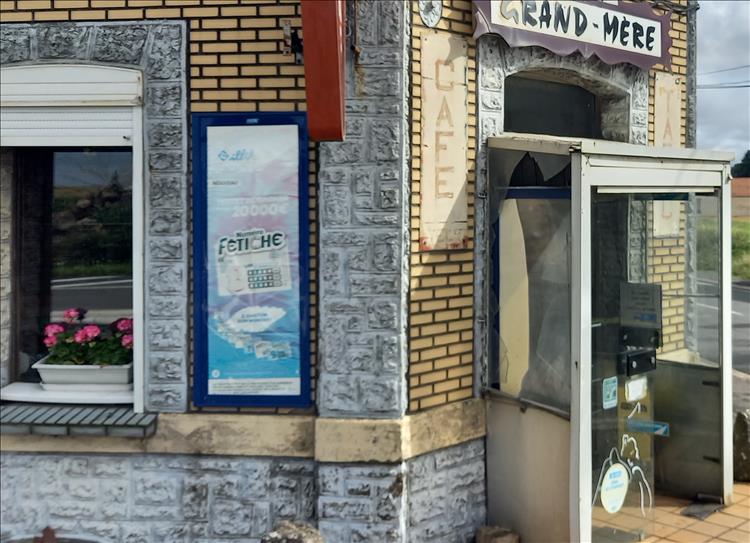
{"x":33,"y":392}
{"x":69,"y":420}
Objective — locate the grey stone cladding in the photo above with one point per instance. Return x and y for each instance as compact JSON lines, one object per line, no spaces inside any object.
{"x":157,"y":49}
{"x":622,"y":91}
{"x":447,"y":494}
{"x":149,"y":498}
{"x":362,"y":502}
{"x":153,"y":498}
{"x":364,"y":241}
{"x":436,"y":497}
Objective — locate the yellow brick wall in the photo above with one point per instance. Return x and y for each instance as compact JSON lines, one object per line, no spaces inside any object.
{"x":235,"y":62}
{"x":665,"y":258}
{"x":442,"y":282}
{"x":441,"y":348}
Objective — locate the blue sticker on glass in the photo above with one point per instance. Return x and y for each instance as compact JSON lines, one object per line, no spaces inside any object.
{"x":609,"y":392}
{"x":648,"y":427}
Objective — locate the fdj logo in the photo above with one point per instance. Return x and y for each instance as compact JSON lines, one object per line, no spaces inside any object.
{"x":239,"y":154}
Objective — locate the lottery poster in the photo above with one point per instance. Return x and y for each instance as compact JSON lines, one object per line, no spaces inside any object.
{"x":253,"y":339}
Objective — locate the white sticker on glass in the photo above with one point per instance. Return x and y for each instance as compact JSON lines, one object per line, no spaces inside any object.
{"x":614,"y":488}
{"x":636,"y":388}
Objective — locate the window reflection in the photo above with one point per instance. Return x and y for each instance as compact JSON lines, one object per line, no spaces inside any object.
{"x":75,"y":238}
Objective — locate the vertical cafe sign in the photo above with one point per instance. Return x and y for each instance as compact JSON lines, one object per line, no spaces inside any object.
{"x":444,"y":207}
{"x":251,"y":260}
{"x":615,"y":31}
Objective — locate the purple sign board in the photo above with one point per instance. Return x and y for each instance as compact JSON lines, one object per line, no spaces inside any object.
{"x":614,"y":31}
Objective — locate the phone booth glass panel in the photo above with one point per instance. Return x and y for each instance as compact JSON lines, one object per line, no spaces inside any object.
{"x":611,"y":333}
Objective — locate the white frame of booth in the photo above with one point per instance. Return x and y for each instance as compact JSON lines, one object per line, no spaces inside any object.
{"x":622,"y":167}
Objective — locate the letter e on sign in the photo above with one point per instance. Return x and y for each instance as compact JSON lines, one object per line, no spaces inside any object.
{"x":443,"y":212}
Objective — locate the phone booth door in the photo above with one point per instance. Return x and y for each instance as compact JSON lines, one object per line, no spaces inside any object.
{"x":654,"y":340}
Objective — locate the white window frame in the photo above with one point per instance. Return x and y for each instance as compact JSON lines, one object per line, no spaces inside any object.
{"x":79,"y":88}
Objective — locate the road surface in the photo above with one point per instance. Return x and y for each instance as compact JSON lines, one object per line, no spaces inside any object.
{"x":107,"y":297}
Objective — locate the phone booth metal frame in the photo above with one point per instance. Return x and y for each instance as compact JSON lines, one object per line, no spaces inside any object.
{"x":597,"y":165}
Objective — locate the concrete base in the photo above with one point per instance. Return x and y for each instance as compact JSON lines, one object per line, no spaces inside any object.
{"x":539,"y":483}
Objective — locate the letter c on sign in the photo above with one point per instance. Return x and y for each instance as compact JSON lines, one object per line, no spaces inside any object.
{"x":438,"y":79}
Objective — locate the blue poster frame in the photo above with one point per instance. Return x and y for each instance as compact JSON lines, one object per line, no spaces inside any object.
{"x":200,"y":123}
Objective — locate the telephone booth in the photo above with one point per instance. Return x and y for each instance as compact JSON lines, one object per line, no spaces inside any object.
{"x":610,"y":349}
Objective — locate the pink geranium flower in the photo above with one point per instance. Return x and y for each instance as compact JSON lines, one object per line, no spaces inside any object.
{"x":80,"y":337}
{"x":53,"y":329}
{"x":124,"y":325}
{"x":74,"y":313}
{"x":91,"y":330}
{"x":50,"y":341}
{"x":87,"y":333}
{"x":127,"y":341}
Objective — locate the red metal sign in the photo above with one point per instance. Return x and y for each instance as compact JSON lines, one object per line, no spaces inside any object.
{"x":323,"y":26}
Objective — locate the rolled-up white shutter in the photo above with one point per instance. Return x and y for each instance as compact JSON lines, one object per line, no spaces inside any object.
{"x":68,"y":126}
{"x":69,"y":105}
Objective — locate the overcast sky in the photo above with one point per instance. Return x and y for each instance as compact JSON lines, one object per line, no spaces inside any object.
{"x":724,"y":42}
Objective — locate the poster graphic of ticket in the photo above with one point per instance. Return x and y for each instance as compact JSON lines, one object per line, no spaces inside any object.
{"x":252,"y":253}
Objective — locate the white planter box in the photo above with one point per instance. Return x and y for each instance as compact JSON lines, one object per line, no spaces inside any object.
{"x":72,"y":377}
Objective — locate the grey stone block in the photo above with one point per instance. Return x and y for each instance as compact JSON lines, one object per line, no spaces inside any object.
{"x":166,"y":335}
{"x":230,"y":518}
{"x":386,"y":140}
{"x":166,"y":191}
{"x":166,"y":279}
{"x":166,"y":398}
{"x":15,"y":44}
{"x":339,"y":153}
{"x":167,"y":368}
{"x":166,"y":249}
{"x":172,"y":533}
{"x":165,"y":161}
{"x":120,"y":44}
{"x":167,"y":307}
{"x":164,"y":56}
{"x":62,"y":41}
{"x":336,"y":238}
{"x":345,"y":508}
{"x":164,"y":100}
{"x":165,"y":222}
{"x":165,"y":134}
{"x":195,"y":500}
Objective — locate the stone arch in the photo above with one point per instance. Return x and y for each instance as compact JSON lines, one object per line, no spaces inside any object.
{"x":622,"y":90}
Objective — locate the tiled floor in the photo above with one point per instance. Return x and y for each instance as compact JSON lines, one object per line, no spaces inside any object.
{"x":730,"y":524}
